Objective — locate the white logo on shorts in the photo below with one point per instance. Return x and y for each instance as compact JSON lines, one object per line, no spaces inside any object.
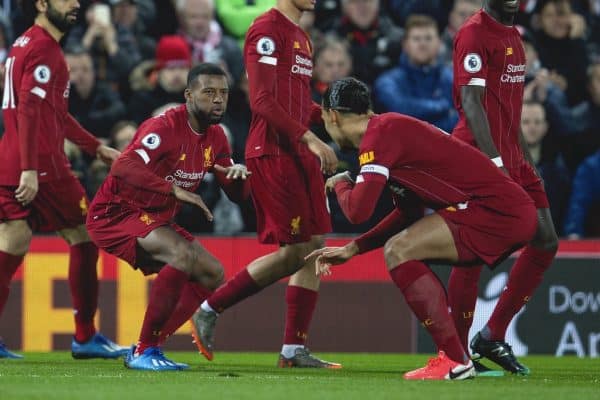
{"x":472,"y":63}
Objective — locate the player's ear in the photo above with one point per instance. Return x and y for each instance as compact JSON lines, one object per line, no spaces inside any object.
{"x":41,"y":5}
{"x":187,"y":93}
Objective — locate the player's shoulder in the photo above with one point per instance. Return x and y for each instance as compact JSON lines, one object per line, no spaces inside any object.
{"x":269,"y":23}
{"x":473,"y":27}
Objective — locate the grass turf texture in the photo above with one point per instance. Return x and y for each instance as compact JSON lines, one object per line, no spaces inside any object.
{"x":254,"y":376}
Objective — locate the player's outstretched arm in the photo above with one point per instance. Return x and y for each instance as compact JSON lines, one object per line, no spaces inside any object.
{"x":81,"y":137}
{"x":233,"y":179}
{"x":358,"y":201}
{"x":107,"y":155}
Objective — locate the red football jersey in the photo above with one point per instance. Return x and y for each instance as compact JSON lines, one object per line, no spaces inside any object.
{"x":441,"y":170}
{"x":278,"y":59}
{"x":35,"y":110}
{"x":173,"y":151}
{"x":490,"y":54}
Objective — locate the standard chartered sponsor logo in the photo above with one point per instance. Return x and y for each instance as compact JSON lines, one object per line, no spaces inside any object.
{"x":507,"y":77}
{"x":191,"y":177}
{"x":303,"y":66}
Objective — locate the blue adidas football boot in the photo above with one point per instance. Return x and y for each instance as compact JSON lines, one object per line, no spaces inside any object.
{"x":5,"y":353}
{"x":152,"y":359}
{"x":98,"y":346}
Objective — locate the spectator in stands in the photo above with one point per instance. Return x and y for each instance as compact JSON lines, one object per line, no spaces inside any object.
{"x":579,"y":125}
{"x":326,"y":13}
{"x":401,"y":10}
{"x":461,"y":11}
{"x":585,"y":199}
{"x":168,"y":79}
{"x":238,"y":118}
{"x":206,"y":39}
{"x":561,"y":46}
{"x":113,"y":49}
{"x":375,"y":43}
{"x":121,"y":135}
{"x":93,"y":103}
{"x":131,"y":28}
{"x":420,"y":86}
{"x":332,"y":61}
{"x":549,"y":163}
{"x":237,"y":15}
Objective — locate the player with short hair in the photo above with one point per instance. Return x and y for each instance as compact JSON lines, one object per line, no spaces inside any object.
{"x":480,"y":214}
{"x":132,"y":214}
{"x":38,"y":191}
{"x":287,"y":185}
{"x":489,"y":77}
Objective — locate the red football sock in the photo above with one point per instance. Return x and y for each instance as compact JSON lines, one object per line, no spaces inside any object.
{"x":164,"y":296}
{"x":83,"y":282}
{"x":525,"y":276}
{"x":8,"y":267}
{"x":462,"y":296}
{"x":425,"y":295}
{"x":301,"y":304}
{"x":192,"y":296}
{"x":233,"y":291}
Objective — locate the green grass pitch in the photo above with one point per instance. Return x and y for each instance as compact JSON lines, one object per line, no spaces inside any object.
{"x":253,"y":376}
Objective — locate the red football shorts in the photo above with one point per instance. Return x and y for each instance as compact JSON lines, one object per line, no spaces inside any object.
{"x":115,"y":229}
{"x":532,"y":183}
{"x":58,"y":205}
{"x":289,"y":197}
{"x":483,"y":234}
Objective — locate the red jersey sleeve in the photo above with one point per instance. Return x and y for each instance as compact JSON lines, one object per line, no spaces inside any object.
{"x":81,"y":137}
{"x":33,"y":88}
{"x":470,"y":57}
{"x":151,"y":145}
{"x":262,"y":51}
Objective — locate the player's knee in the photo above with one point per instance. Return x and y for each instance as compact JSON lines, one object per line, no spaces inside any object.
{"x":184,"y":257}
{"x":547,"y":240}
{"x":396,"y":252}
{"x":15,"y":237}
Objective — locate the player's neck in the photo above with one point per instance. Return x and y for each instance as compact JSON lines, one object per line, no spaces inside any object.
{"x":46,"y":25}
{"x":504,"y":19}
{"x":359,"y":128}
{"x":288,"y":9}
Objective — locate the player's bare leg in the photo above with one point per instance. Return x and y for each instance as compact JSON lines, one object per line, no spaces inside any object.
{"x":428,"y":239}
{"x":301,"y":299}
{"x":525,"y":276}
{"x":15,"y":237}
{"x":83,"y":284}
{"x":260,"y":273}
{"x":184,"y":262}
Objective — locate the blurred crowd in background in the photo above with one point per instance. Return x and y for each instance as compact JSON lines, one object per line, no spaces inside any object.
{"x":129,"y":60}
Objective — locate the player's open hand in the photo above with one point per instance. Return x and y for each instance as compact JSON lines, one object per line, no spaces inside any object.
{"x":325,"y":153}
{"x":329,"y":256}
{"x":192,"y":198}
{"x":332,"y":181}
{"x":236,"y":171}
{"x":107,"y":154}
{"x":28,"y":187}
